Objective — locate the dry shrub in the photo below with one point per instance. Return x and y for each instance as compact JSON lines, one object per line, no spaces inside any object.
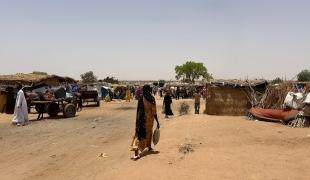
{"x":186,"y":148}
{"x":184,"y":108}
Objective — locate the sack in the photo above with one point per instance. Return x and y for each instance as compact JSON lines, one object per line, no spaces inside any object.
{"x":156,"y":136}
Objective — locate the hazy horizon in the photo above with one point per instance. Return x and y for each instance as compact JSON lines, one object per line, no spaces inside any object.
{"x":145,"y":40}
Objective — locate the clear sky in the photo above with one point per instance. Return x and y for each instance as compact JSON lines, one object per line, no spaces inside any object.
{"x":145,"y":39}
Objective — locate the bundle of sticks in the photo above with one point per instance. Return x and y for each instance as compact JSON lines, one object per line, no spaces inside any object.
{"x":300,"y":122}
{"x":272,"y":98}
{"x":275,"y":96}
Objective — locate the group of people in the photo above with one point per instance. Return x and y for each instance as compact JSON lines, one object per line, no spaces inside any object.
{"x":168,"y":102}
{"x":146,"y":114}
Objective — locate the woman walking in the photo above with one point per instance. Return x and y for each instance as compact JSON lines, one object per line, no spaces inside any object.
{"x":167,"y":105}
{"x":146,"y":113}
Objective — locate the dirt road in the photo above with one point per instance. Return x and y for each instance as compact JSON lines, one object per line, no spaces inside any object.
{"x":67,"y":148}
{"x":95,"y":145}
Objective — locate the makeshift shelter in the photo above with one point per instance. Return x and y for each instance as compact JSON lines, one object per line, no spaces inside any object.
{"x":7,"y":83}
{"x":287,"y":102}
{"x":231,"y":97}
{"x":34,"y":79}
{"x":274,"y":96}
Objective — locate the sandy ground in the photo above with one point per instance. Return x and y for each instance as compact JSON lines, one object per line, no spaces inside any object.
{"x":95,"y":145}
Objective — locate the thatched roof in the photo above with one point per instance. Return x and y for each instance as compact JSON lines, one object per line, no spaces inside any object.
{"x":32,"y":79}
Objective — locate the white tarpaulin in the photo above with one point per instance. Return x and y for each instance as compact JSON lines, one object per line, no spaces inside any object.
{"x":307,"y":99}
{"x":292,"y":99}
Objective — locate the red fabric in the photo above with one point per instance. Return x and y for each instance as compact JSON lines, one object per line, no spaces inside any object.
{"x":277,"y":114}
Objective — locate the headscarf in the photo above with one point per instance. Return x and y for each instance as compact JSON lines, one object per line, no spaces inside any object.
{"x":147,"y":94}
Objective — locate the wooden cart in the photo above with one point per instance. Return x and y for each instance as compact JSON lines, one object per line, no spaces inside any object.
{"x":90,"y":96}
{"x":53,"y":108}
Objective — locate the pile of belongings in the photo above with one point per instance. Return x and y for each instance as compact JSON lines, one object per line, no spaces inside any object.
{"x":47,"y":94}
{"x":295,"y":111}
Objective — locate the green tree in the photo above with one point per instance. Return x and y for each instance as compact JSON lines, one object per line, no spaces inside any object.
{"x":39,"y":73}
{"x":111,"y":80}
{"x":277,"y":81}
{"x":191,"y":71}
{"x":155,"y":83}
{"x":304,"y":75}
{"x":88,"y":77}
{"x":161,"y":83}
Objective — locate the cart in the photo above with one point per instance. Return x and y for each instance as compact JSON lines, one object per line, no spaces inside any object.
{"x":54,"y":107}
{"x":90,"y":96}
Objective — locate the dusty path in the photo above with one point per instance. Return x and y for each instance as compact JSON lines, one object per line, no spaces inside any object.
{"x":223,"y":148}
{"x":67,"y":148}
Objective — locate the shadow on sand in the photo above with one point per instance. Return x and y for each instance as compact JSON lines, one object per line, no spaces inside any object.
{"x":148,"y":153}
{"x":51,"y":118}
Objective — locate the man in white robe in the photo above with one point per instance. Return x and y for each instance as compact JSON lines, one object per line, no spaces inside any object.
{"x":21,"y":109}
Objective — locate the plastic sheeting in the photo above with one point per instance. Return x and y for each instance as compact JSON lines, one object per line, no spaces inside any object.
{"x":307,"y":99}
{"x":292,"y":100}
